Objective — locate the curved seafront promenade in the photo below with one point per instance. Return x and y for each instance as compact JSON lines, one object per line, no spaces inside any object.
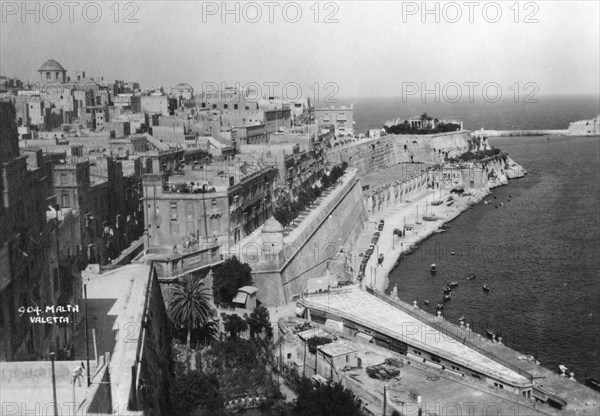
{"x":392,"y":247}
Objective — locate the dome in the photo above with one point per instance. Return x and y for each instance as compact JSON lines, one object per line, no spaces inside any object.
{"x":272,"y":226}
{"x":183,"y":86}
{"x":52,"y":65}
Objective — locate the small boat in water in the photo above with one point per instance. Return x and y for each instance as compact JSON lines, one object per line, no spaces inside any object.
{"x":486,"y":288}
{"x":471,"y":276}
{"x":432,"y":268}
{"x":430,"y":218}
{"x":439,"y":306}
{"x":453,"y":284}
{"x":446,"y":289}
{"x":447,"y":297}
{"x":426,"y":302}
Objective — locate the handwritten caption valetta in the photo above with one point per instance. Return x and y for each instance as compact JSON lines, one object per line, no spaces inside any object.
{"x":46,"y":315}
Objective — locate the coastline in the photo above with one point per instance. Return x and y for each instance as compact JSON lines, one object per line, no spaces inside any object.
{"x":410,"y":213}
{"x":395,"y":217}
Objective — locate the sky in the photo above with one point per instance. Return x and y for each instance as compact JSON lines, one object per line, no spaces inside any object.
{"x":348,"y":49}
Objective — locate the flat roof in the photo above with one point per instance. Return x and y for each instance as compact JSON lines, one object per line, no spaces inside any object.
{"x":335,"y":349}
{"x":359,"y":306}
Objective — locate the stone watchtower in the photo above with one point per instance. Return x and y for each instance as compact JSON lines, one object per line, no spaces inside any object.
{"x":52,"y":71}
{"x":272,"y":241}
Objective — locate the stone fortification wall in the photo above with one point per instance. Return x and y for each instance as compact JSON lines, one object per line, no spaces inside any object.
{"x":374,"y":154}
{"x":281,"y":271}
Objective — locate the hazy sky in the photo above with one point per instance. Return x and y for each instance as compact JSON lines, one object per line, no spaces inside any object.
{"x":372,"y":49}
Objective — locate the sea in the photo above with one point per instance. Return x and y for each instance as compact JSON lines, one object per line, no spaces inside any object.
{"x":536,"y":243}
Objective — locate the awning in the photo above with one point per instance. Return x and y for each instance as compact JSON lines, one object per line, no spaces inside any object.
{"x":240,"y":298}
{"x":363,"y":337}
{"x":299,"y":311}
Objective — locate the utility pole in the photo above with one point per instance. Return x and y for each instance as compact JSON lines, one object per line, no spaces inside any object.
{"x":55,"y":405}
{"x":87,"y":344}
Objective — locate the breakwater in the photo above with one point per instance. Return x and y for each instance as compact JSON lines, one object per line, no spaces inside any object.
{"x":510,"y":133}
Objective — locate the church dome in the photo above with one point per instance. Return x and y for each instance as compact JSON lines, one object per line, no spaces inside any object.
{"x":52,"y":65}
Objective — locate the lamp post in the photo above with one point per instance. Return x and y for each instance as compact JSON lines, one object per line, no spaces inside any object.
{"x":55,"y":405}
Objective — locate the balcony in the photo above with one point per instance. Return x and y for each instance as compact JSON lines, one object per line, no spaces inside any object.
{"x":215,"y":212}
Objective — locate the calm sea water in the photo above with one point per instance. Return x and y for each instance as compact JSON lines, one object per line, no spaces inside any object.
{"x":550,"y":112}
{"x":536,"y":245}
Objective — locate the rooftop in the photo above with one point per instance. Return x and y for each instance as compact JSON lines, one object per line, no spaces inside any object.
{"x":336,"y":349}
{"x":386,"y":319}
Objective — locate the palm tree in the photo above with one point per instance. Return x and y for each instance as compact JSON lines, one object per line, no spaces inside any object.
{"x":190,"y":307}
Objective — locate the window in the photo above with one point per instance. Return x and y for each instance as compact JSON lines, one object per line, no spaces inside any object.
{"x":48,"y":75}
{"x":347,"y":358}
{"x":64,"y":178}
{"x":174,"y":226}
{"x":189,"y":209}
{"x":56,"y":75}
{"x":189,"y":227}
{"x":65,"y":199}
{"x":214,"y":106}
{"x":214,"y":203}
{"x":235,"y":106}
{"x":225,"y":106}
{"x":289,"y":355}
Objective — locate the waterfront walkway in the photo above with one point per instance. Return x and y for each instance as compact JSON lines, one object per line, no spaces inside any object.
{"x":398,"y":216}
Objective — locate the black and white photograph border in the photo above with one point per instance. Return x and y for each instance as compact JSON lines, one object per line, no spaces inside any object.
{"x":300,"y":208}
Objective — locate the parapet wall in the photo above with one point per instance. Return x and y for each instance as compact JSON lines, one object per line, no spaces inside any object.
{"x":307,"y":253}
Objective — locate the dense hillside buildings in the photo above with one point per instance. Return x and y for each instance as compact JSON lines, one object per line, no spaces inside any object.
{"x":38,"y":265}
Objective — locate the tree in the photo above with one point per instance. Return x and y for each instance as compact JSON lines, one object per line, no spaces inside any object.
{"x":259,"y":321}
{"x":229,"y":277}
{"x":190,"y":307}
{"x":195,"y":393}
{"x":234,"y":324}
{"x":330,"y":399}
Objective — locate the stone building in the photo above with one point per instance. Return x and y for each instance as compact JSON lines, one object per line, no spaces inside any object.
{"x":217,"y":203}
{"x":342,"y":118}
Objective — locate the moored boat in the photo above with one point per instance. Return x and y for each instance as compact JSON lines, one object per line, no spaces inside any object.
{"x":471,"y":276}
{"x":432,"y":268}
{"x":453,"y":284}
{"x":486,"y":288}
{"x":446,"y":289}
{"x":447,"y":297}
{"x":430,"y":218}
